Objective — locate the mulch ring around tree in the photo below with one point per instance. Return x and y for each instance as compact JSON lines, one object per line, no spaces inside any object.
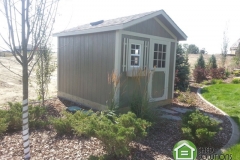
{"x":46,"y":144}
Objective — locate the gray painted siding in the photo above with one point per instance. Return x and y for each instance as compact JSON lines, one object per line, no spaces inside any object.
{"x":150,"y":27}
{"x":128,"y":85}
{"x":84,"y":64}
{"x":171,"y":69}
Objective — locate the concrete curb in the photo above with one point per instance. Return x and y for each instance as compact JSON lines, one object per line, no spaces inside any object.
{"x":235,"y":131}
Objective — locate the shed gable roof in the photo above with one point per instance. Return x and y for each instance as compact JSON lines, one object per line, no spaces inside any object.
{"x":122,"y":23}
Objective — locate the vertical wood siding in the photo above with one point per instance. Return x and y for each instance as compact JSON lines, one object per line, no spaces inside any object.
{"x":84,"y":64}
{"x":150,"y":27}
{"x":129,"y":85}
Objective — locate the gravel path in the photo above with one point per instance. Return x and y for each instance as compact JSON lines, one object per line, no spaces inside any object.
{"x":45,"y":144}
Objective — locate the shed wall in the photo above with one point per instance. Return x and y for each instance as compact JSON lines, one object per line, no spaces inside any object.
{"x":85,"y":61}
{"x":150,"y":27}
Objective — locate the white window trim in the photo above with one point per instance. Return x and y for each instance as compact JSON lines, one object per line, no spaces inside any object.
{"x":135,"y":42}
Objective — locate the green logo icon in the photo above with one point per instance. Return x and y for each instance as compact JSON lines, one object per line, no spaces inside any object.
{"x":184,"y":150}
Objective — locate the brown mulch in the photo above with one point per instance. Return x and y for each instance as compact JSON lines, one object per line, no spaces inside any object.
{"x":46,"y":144}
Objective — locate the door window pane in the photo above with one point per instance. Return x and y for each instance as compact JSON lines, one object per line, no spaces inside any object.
{"x":159,"y":56}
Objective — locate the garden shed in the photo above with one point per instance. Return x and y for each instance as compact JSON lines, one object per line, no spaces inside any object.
{"x":140,"y":49}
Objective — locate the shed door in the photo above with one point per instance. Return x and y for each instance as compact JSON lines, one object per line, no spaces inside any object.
{"x":159,"y":66}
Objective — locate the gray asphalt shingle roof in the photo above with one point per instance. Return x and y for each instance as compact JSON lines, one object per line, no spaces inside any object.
{"x":124,"y":22}
{"x":110,"y":22}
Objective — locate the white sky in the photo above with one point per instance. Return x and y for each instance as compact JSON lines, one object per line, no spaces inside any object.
{"x":203,"y":21}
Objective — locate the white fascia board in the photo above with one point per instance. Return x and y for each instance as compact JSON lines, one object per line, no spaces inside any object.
{"x":174,"y":25}
{"x":86,"y":31}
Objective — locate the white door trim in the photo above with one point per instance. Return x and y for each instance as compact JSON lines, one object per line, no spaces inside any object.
{"x":153,"y":70}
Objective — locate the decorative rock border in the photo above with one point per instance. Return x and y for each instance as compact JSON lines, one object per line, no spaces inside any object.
{"x":235,"y":131}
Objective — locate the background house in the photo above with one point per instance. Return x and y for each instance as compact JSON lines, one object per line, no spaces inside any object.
{"x":5,"y":53}
{"x":234,"y":47}
{"x":88,"y":54}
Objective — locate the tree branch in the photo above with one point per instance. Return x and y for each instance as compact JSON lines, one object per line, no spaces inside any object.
{"x":9,"y":69}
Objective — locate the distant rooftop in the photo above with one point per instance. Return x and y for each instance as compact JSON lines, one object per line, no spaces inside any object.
{"x":235,"y":45}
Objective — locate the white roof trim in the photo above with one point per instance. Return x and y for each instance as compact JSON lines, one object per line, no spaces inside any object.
{"x":166,"y":29}
{"x":123,"y":26}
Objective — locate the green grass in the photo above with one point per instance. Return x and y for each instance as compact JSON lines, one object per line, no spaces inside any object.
{"x":227,"y":98}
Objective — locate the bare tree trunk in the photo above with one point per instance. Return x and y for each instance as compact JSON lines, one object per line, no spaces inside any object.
{"x":25,"y":127}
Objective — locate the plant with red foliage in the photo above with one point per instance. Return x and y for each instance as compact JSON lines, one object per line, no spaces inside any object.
{"x":217,"y":73}
{"x":199,"y":74}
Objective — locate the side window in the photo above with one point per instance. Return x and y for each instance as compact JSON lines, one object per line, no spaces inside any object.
{"x":159,"y":57}
{"x":135,"y":55}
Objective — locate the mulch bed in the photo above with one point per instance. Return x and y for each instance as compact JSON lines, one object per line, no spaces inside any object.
{"x":46,"y":144}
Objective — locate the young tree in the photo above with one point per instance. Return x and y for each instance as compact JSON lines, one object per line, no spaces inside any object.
{"x":200,"y":62}
{"x":212,"y":62}
{"x":182,"y":69}
{"x":224,"y":48}
{"x":28,"y":22}
{"x":44,"y":71}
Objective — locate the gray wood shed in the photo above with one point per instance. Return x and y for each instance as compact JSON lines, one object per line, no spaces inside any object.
{"x":89,"y":53}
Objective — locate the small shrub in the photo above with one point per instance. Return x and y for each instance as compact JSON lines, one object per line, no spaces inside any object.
{"x":217,"y":73}
{"x":187,"y":97}
{"x":199,"y":74}
{"x":85,"y":124}
{"x":115,"y":133}
{"x":117,"y":136}
{"x":216,"y":81}
{"x":37,"y":117}
{"x":14,"y":116}
{"x":236,"y":73}
{"x":236,"y":81}
{"x":63,"y":125}
{"x":3,"y":121}
{"x":198,"y":127}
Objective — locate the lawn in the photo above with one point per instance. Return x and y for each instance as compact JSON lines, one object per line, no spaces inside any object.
{"x":227,"y":98}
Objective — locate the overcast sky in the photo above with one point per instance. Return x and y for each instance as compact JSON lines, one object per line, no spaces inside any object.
{"x":203,"y":21}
